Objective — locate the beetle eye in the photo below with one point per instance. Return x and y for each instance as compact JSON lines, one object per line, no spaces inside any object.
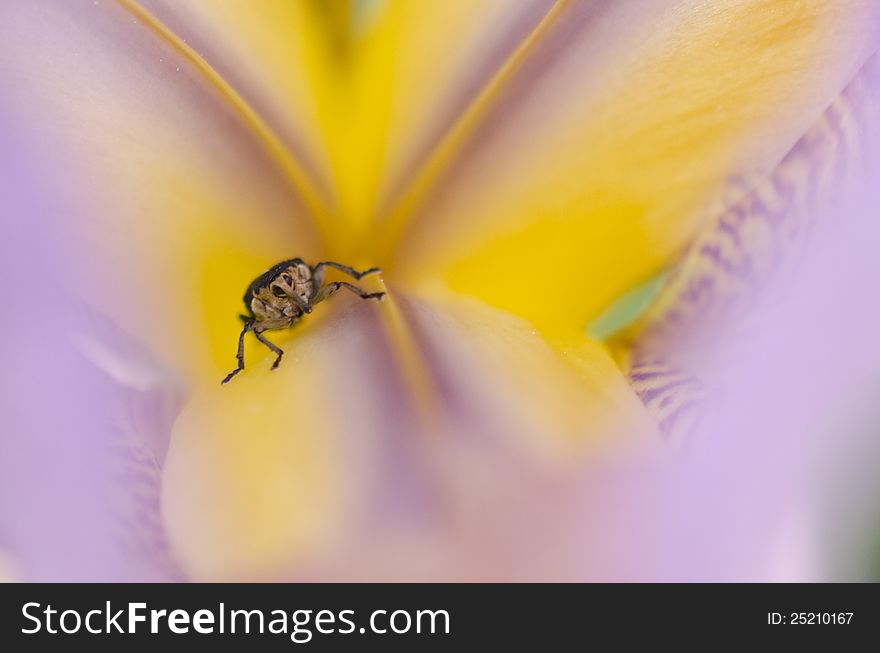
{"x":278,"y":291}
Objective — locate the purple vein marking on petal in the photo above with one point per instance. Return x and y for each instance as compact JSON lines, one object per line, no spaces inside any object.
{"x":647,"y":396}
{"x":780,"y":209}
{"x":698,"y":289}
{"x":668,"y":423}
{"x":654,"y":374}
{"x":730,"y":231}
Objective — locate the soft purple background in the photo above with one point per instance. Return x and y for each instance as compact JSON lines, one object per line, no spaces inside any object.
{"x":60,"y":493}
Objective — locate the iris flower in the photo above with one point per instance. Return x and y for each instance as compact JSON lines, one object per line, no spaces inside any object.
{"x":517,"y":168}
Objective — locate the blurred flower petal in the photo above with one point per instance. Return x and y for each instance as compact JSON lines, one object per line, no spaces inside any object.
{"x":411,"y":69}
{"x":278,"y":58}
{"x":759,"y":237}
{"x":333,"y":458}
{"x":764,"y":232}
{"x":140,"y":422}
{"x":586,"y":162}
{"x":68,"y":509}
{"x":432,"y":83}
{"x":171,"y":193}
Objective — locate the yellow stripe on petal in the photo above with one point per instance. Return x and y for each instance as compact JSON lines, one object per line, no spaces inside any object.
{"x":328,"y":468}
{"x":173,"y":202}
{"x":585,"y":169}
{"x":415,"y":69}
{"x":278,"y":58}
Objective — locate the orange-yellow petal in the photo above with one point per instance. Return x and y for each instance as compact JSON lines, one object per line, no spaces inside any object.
{"x":587,"y":161}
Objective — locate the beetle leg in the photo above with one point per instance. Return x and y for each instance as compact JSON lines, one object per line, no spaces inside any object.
{"x":333,"y":286}
{"x":271,"y":345}
{"x":248,"y":325}
{"x":319,"y":269}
